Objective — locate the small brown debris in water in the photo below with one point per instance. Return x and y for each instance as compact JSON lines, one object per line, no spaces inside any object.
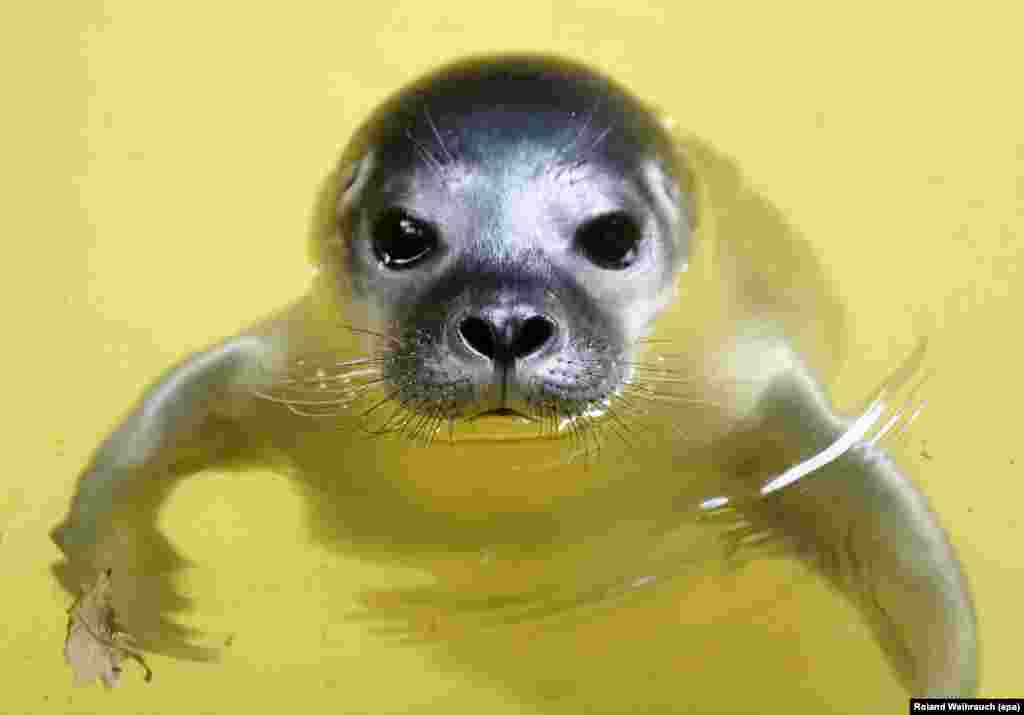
{"x":95,"y":647}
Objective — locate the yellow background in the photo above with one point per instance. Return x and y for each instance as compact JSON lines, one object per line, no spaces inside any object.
{"x":159,"y":166}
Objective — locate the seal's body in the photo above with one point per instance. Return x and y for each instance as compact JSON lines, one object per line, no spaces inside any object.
{"x":502,"y":248}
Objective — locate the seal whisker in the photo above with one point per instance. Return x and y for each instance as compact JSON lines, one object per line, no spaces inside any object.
{"x":388,"y":398}
{"x":299,"y":402}
{"x":398,"y":413}
{"x":309,"y":389}
{"x":364,"y":331}
{"x":629,"y":408}
{"x":330,"y":386}
{"x":449,"y":159}
{"x":346,"y":376}
{"x":432,"y":162}
{"x":428,"y":428}
{"x":297,"y":410}
{"x":643,"y":392}
{"x":616,"y":429}
{"x":414,"y":428}
{"x":591,"y":113}
{"x":623,"y":429}
{"x":346,"y":398}
{"x":599,"y":139}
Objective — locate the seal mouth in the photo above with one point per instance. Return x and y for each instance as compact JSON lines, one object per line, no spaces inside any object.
{"x":503,"y":412}
{"x":500,"y":424}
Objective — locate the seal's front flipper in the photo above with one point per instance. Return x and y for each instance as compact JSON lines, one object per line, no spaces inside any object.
{"x":856,"y":519}
{"x":131,"y":475}
{"x":869,"y":531}
{"x":145,"y":598}
{"x":168,"y":420}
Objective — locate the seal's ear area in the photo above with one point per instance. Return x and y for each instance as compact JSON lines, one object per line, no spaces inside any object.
{"x":324,"y":221}
{"x":773,"y":272}
{"x":679,"y":179}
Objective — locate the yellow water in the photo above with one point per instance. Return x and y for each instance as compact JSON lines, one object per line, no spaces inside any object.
{"x":160,"y":164}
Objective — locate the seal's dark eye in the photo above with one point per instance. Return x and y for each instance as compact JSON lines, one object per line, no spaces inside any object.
{"x":401,"y":241}
{"x":610,"y":241}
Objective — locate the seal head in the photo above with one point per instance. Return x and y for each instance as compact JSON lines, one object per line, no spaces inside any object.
{"x":512,"y":225}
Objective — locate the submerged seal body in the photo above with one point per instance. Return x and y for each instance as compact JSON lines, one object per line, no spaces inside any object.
{"x":497,"y":248}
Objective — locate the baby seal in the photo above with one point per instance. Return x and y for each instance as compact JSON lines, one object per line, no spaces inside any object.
{"x":497,"y":247}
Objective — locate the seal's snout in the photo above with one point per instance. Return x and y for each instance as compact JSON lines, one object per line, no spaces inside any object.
{"x":504,"y":338}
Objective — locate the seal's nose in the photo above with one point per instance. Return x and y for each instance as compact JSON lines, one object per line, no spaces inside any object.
{"x":504,"y":338}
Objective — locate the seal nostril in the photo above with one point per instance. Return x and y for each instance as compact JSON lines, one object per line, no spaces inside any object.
{"x":533,"y":335}
{"x":503,"y":341}
{"x":478,"y":335}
